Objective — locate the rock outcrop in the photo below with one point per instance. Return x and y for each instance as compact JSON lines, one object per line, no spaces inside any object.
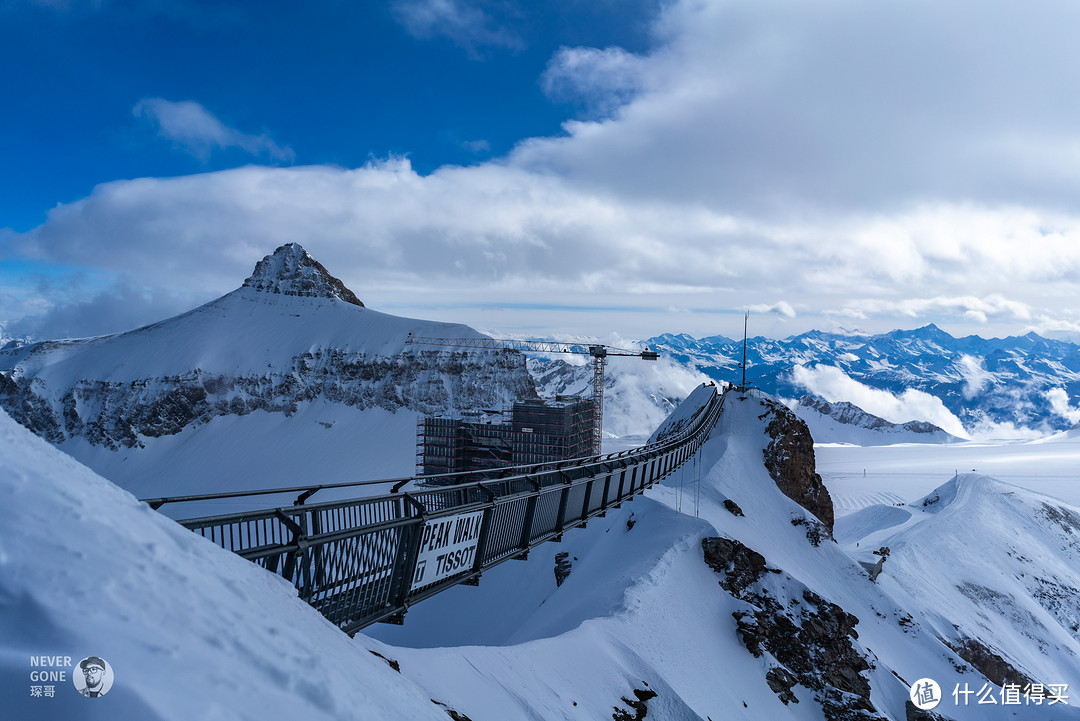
{"x":292,"y":271}
{"x":789,"y":457}
{"x":811,"y":640}
{"x":563,"y":567}
{"x":988,"y":663}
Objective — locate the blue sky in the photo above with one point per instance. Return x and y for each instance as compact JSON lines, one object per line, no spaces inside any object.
{"x":587,"y":168}
{"x":334,"y":82}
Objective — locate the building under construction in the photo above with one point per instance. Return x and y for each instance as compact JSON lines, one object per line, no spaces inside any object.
{"x":536,"y":432}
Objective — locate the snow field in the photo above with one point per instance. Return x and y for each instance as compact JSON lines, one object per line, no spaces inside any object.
{"x":191,"y":631}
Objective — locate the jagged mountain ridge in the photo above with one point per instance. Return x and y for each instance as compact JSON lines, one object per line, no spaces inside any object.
{"x":851,"y":414}
{"x":291,"y":336}
{"x":1003,"y":380}
{"x":847,"y":423}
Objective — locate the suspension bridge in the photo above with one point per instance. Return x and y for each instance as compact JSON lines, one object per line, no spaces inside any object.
{"x":368,"y":559}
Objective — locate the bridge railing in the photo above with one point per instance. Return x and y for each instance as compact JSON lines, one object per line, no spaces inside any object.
{"x":363,"y":560}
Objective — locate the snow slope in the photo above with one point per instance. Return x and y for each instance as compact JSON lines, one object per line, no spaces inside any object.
{"x":862,"y":476}
{"x":247,"y":331}
{"x":982,"y":559}
{"x":191,"y":631}
{"x":321,"y":442}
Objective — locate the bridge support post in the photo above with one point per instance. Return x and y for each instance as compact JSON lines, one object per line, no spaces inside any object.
{"x":526,"y":528}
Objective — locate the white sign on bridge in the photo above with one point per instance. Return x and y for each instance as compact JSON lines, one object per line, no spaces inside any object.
{"x":447,"y":547}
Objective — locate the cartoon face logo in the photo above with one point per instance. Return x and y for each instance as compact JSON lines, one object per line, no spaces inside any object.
{"x":93,"y":677}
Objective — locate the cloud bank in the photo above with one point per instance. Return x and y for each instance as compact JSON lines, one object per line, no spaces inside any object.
{"x":867,"y":163}
{"x":832,"y":384}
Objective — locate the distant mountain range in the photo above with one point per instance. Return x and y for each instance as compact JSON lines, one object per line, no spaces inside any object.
{"x":1001,"y":380}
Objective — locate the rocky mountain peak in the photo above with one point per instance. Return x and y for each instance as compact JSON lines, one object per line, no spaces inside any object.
{"x":291,"y":270}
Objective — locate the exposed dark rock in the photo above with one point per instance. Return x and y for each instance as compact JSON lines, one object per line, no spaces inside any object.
{"x":455,"y":715}
{"x":739,"y":566}
{"x":1066,"y":520}
{"x":115,"y":414}
{"x":638,"y":705}
{"x":1060,"y":600}
{"x":789,"y":458}
{"x":816,"y":532}
{"x":733,"y":507}
{"x":989,"y":664}
{"x":393,"y":664}
{"x":563,"y":566}
{"x":781,"y":681}
{"x":811,"y":638}
{"x":913,"y":714}
{"x":291,"y":271}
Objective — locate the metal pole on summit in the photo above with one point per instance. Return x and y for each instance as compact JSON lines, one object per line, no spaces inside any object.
{"x":746,"y":321}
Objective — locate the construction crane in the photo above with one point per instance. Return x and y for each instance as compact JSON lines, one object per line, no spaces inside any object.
{"x":598,"y":352}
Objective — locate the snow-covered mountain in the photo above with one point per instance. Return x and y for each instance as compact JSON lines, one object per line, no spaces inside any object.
{"x":844,"y":422}
{"x":718,"y":596}
{"x":289,"y":379}
{"x":1012,"y":605}
{"x":1028,"y":381}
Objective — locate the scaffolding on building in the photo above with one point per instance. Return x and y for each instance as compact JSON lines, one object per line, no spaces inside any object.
{"x":536,"y":432}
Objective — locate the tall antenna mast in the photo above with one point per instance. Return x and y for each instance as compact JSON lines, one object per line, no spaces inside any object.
{"x":746,"y":320}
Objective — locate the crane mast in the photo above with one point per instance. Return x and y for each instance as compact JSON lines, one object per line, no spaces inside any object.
{"x":599,"y":354}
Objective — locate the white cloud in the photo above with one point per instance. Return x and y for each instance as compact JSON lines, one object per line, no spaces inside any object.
{"x":194,"y":129}
{"x":495,"y":233}
{"x":1059,"y":402}
{"x":975,"y":375}
{"x":782,"y":308}
{"x":847,"y":158}
{"x":461,"y":22}
{"x":987,"y":430}
{"x":972,"y":308}
{"x":782,"y":107}
{"x":832,"y":384}
{"x":475,"y":146}
{"x":116,"y":309}
{"x":603,"y":79}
